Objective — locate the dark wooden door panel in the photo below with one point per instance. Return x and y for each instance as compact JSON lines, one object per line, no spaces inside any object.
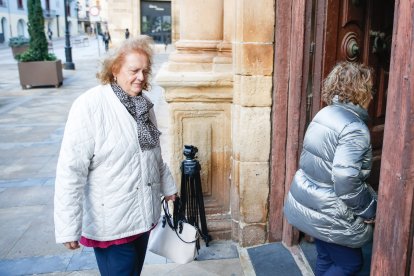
{"x":361,"y":31}
{"x":378,"y":34}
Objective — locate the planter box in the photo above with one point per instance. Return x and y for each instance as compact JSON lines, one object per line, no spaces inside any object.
{"x":19,"y":50}
{"x":40,"y":73}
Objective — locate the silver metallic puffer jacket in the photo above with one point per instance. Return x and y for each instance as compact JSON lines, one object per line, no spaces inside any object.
{"x":329,"y":198}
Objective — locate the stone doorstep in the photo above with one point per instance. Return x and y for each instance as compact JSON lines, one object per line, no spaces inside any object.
{"x":275,"y":259}
{"x":278,"y":259}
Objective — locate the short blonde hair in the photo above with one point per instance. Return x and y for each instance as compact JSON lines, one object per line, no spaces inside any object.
{"x":112,"y":63}
{"x":351,"y":82}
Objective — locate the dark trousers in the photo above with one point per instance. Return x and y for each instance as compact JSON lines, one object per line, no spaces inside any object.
{"x":124,"y":259}
{"x":337,"y":260}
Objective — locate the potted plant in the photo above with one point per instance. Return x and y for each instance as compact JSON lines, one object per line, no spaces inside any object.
{"x":37,"y":67}
{"x":18,"y":44}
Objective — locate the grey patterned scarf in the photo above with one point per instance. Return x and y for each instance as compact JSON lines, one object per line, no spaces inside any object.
{"x":139,"y":107}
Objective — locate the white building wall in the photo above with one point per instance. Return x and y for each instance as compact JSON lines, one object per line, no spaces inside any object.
{"x":11,"y":15}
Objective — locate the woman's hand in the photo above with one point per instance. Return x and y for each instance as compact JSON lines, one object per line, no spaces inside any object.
{"x":170,"y":197}
{"x":72,"y":245}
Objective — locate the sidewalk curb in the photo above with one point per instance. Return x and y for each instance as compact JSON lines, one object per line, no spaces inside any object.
{"x":245,"y":262}
{"x":300,"y":259}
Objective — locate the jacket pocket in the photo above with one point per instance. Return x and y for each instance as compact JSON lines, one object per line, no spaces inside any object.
{"x":116,"y":203}
{"x":118,"y":211}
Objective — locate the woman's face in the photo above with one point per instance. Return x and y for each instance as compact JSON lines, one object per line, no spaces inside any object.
{"x":133,"y":73}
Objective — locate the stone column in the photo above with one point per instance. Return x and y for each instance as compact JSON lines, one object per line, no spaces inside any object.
{"x":175,"y":21}
{"x":251,"y":114}
{"x":201,"y":35}
{"x":198,"y":85}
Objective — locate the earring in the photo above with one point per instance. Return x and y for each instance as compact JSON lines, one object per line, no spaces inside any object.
{"x":115,"y":79}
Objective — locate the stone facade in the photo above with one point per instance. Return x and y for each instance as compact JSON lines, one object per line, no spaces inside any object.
{"x":218,"y":84}
{"x":224,"y":59}
{"x":198,"y":84}
{"x":251,"y":127}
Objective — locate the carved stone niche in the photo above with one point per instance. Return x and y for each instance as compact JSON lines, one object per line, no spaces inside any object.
{"x":206,"y":126}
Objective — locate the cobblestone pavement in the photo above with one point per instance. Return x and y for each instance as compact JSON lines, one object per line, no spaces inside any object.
{"x":31,"y":127}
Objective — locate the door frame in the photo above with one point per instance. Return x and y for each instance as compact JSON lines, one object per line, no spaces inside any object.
{"x":393,"y":237}
{"x":294,"y":67}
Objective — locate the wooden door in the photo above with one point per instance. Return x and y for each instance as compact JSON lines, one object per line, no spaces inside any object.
{"x":334,"y":31}
{"x":361,"y":31}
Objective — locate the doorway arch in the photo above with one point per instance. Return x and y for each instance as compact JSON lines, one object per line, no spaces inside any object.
{"x":4,"y":36}
{"x":21,"y":27}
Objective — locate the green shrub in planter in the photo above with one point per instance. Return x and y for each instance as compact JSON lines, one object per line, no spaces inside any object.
{"x":18,"y":41}
{"x":38,"y":50}
{"x":33,"y":55}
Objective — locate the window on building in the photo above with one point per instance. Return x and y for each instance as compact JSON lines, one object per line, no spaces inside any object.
{"x":2,"y":4}
{"x":48,"y":5}
{"x":156,"y":20}
{"x":21,"y":26}
{"x":20,"y":4}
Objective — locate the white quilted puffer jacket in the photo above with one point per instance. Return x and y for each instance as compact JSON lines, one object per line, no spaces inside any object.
{"x":106,"y":187}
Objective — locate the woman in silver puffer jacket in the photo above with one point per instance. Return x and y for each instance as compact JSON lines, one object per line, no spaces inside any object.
{"x":329,"y":198}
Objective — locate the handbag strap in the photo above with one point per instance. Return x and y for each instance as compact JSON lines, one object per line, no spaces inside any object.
{"x":168,"y":220}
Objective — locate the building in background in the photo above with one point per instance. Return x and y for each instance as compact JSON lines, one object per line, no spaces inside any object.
{"x":140,"y":17}
{"x":93,"y":16}
{"x":13,"y":18}
{"x":156,"y":20}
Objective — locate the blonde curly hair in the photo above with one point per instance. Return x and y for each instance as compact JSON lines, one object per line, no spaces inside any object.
{"x":351,"y":82}
{"x":113,"y":62}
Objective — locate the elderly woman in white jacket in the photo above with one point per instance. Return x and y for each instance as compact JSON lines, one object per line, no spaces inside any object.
{"x":110,"y":174}
{"x":329,"y":198}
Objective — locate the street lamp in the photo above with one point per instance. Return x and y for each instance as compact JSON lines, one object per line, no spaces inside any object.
{"x":69,"y":65}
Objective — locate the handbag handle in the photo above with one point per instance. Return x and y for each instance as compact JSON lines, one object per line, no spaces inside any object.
{"x":167,"y":219}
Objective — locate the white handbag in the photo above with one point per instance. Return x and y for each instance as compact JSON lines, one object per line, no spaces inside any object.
{"x":177,"y":244}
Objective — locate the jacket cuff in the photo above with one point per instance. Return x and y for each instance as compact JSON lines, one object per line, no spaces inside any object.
{"x":170,"y":191}
{"x":370,"y":211}
{"x":67,"y":239}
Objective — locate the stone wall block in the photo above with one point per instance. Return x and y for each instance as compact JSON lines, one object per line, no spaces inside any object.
{"x":254,"y":191}
{"x":235,"y":230}
{"x":252,"y":234}
{"x":235,"y":124}
{"x":200,"y":19}
{"x":253,"y":59}
{"x":253,"y":90}
{"x":229,"y":7}
{"x":235,"y":190}
{"x":252,"y":135}
{"x":206,"y":126}
{"x":190,"y":67}
{"x":255,"y":21}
